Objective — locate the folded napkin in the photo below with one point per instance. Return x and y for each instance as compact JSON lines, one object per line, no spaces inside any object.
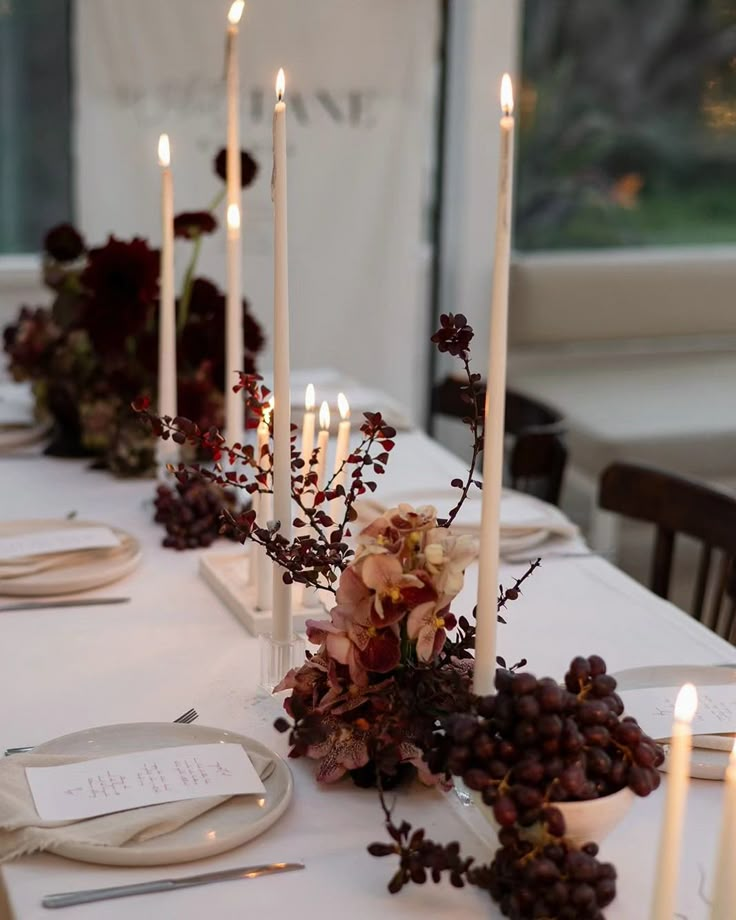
{"x":714,"y":742}
{"x":23,"y":566}
{"x":33,"y":565}
{"x":525,"y":520}
{"x":23,"y":832}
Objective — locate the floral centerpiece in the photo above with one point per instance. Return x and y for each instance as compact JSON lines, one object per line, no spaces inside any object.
{"x":387,"y":691}
{"x":383,"y":648}
{"x":95,"y":348}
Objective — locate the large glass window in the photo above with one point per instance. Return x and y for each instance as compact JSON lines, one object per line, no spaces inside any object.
{"x":35,"y":120}
{"x":627,"y":123}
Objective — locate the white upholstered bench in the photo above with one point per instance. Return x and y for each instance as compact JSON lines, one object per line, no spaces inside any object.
{"x":638,"y":350}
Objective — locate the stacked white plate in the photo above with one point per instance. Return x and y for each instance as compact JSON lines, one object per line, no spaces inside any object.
{"x":50,"y":574}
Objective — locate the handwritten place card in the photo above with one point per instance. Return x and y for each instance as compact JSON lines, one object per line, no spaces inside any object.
{"x":654,"y":708}
{"x":108,"y":784}
{"x":63,"y":540}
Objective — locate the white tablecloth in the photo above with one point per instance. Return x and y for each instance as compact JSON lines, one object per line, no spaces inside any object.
{"x":176,"y":646}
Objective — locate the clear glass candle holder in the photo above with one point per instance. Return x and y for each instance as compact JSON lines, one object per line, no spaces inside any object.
{"x":278,"y":657}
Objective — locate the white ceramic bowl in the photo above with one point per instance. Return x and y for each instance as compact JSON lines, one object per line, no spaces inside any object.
{"x":586,"y":821}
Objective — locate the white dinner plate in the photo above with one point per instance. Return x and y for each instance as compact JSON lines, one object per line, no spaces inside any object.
{"x":83,"y":571}
{"x":231,"y":824}
{"x":704,"y":763}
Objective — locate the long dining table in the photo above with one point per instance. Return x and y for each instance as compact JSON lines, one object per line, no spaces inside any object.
{"x":175,"y":646}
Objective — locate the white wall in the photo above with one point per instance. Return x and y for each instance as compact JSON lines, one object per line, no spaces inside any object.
{"x":360,"y":87}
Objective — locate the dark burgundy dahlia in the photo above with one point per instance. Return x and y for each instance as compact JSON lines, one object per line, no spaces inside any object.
{"x":63,"y":243}
{"x":248,"y":167}
{"x":121,"y":282}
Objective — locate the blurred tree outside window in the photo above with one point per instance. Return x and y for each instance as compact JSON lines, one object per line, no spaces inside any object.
{"x":627,"y":129}
{"x":35,"y":121}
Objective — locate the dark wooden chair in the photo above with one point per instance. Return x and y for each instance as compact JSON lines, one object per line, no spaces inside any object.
{"x":676,"y":505}
{"x":537,"y":456}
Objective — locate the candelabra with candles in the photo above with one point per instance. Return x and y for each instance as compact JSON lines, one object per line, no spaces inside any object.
{"x":245,"y":585}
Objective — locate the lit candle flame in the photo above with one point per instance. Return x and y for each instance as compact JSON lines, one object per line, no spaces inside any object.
{"x":309,"y":398}
{"x":280,"y":84}
{"x":324,"y":416}
{"x":343,"y":405}
{"x":164,"y":150}
{"x":686,"y":703}
{"x":267,"y":412}
{"x":233,"y":217}
{"x":507,"y":95}
{"x":236,"y":11}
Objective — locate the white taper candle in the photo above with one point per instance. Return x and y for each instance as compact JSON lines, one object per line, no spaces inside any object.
{"x":308,"y":427}
{"x":323,"y":442}
{"x":234,"y":409}
{"x":485,"y":636}
{"x":168,"y":451}
{"x":264,"y":510}
{"x":678,"y":773}
{"x":282,"y":620}
{"x":342,"y":452}
{"x":724,"y":886}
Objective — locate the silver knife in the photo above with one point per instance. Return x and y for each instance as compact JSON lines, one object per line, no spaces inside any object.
{"x":75,"y":602}
{"x":69,"y":898}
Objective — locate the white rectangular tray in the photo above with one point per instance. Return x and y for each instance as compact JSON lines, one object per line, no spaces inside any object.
{"x":227,"y":575}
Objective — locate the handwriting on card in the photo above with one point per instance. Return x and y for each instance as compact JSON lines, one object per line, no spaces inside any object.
{"x":654,"y":709}
{"x":109,"y":784}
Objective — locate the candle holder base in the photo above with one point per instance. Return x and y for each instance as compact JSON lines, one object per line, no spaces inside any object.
{"x":277,"y":658}
{"x":227,"y":574}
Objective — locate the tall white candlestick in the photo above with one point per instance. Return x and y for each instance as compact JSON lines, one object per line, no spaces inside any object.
{"x":724,"y":888}
{"x":485,"y":636}
{"x":678,"y":772}
{"x":234,"y":407}
{"x":342,"y":451}
{"x":263,"y":565}
{"x":234,"y":307}
{"x":323,"y":441}
{"x":308,"y":427}
{"x":281,"y":621}
{"x":168,"y":450}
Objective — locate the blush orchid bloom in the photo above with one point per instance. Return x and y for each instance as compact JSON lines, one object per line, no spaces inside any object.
{"x":446,"y":556}
{"x":428,"y":627}
{"x":395,"y":592}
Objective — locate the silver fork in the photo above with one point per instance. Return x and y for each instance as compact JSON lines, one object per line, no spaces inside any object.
{"x":184,"y":719}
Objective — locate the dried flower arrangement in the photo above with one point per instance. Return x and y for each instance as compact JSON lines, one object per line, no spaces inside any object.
{"x":96,"y":347}
{"x":388,"y":692}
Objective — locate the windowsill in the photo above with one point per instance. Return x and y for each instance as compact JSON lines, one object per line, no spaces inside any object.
{"x":629,"y":255}
{"x":20,"y":271}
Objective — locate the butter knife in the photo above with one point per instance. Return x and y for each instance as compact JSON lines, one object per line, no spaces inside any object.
{"x":69,"y":898}
{"x":73,"y":602}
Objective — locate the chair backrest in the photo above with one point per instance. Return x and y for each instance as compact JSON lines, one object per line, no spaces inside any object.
{"x":676,"y":505}
{"x":537,"y":457}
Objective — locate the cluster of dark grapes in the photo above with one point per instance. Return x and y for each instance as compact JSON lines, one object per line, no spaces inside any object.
{"x":535,"y":743}
{"x":191,"y":512}
{"x":555,"y":880}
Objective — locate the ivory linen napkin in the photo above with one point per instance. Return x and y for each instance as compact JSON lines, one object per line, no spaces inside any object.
{"x":25,"y":566}
{"x":524,"y":518}
{"x":22,"y":831}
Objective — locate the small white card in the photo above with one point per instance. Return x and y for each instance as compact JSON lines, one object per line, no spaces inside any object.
{"x":43,"y":542}
{"x":108,"y":784}
{"x":654,"y":709}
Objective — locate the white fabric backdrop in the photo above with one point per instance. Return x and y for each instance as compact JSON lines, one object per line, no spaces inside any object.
{"x":361,"y":80}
